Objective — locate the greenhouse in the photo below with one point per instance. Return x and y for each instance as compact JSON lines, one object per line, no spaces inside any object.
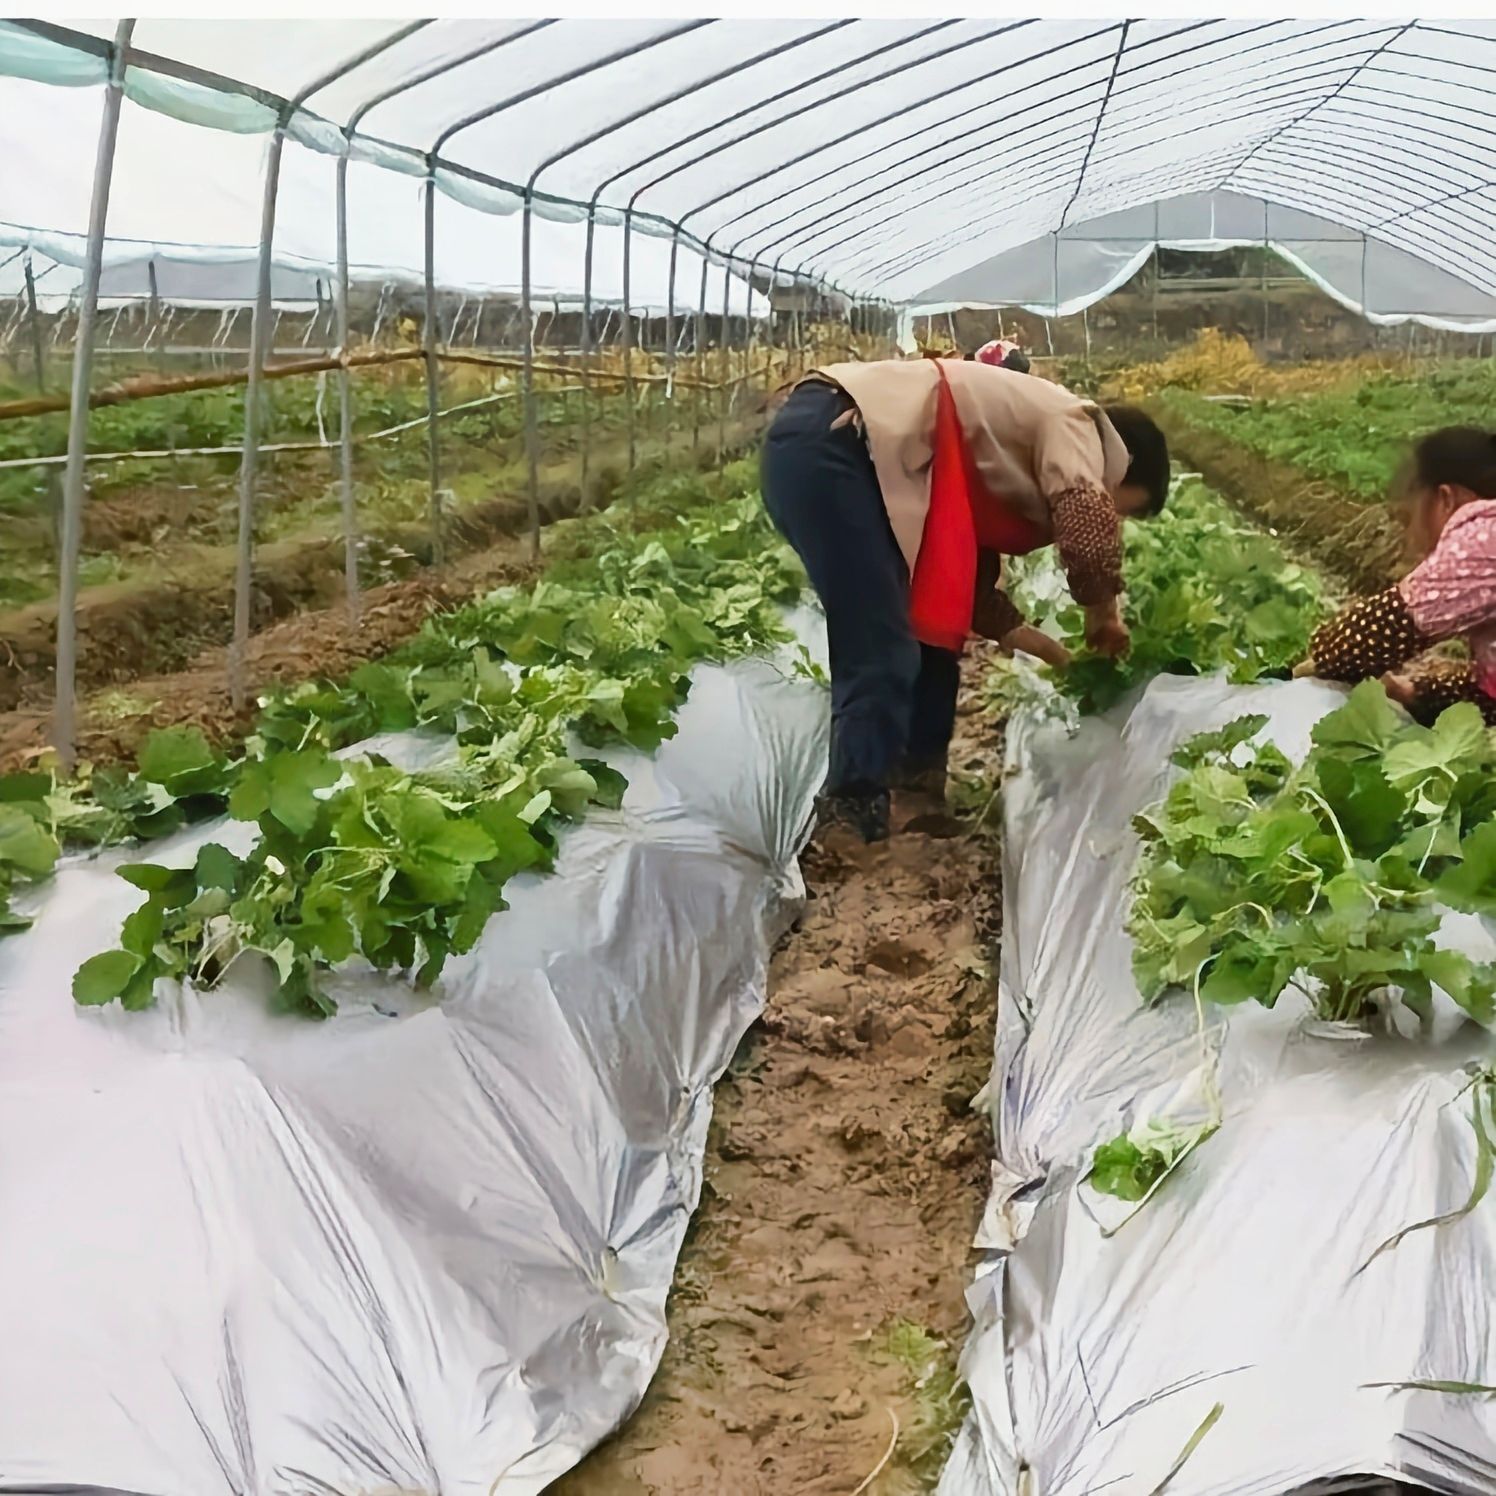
{"x":748,"y":755}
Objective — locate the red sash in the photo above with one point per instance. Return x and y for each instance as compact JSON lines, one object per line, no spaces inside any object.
{"x":962,"y":516}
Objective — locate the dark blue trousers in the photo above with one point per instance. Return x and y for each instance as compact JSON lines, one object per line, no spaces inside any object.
{"x":893,"y":699}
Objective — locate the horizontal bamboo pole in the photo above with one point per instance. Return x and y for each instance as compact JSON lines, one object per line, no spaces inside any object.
{"x":151,"y":386}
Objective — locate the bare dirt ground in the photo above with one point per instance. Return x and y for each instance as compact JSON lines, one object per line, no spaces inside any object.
{"x":166,"y":620}
{"x":145,"y":661}
{"x":819,"y":1300}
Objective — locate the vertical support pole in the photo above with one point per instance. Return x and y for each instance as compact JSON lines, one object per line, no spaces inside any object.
{"x":748,"y":330}
{"x":1157,"y":274}
{"x":724,"y":342}
{"x":585,"y":500}
{"x":1085,"y":322}
{"x":65,"y":707}
{"x":701,"y":380}
{"x":628,"y":344}
{"x":532,"y":427}
{"x":259,"y":338}
{"x":154,"y":314}
{"x":1365,"y":308}
{"x":433,"y":378}
{"x":345,"y":403}
{"x":774,"y":312}
{"x":38,"y":349}
{"x":670,"y":334}
{"x":1265,"y":304}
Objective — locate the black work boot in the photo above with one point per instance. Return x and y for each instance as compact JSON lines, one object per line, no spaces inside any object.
{"x":865,"y":812}
{"x":922,"y":775}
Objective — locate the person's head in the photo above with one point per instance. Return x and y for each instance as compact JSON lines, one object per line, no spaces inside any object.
{"x":1145,"y":489}
{"x":1017,"y":361}
{"x":1445,"y":471}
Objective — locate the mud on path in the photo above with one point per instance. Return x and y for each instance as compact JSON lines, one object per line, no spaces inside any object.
{"x":819,"y":1295}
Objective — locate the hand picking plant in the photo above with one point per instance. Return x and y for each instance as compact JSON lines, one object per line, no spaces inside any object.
{"x":1204,"y":593}
{"x":1331,"y":878}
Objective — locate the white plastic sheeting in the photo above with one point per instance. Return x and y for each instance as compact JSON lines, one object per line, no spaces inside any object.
{"x":1095,"y":1359}
{"x":882,"y":155}
{"x":190,"y":199}
{"x":423,"y":1247}
{"x":1064,"y":272}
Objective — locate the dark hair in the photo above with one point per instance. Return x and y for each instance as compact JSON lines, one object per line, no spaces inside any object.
{"x":1146,"y":444}
{"x":1461,"y":456}
{"x":1018,"y":362}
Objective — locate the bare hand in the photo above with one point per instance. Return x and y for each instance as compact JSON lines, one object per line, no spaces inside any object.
{"x":1303,"y":668}
{"x":1105,"y":631}
{"x":1400,"y":689}
{"x":1036,"y":642}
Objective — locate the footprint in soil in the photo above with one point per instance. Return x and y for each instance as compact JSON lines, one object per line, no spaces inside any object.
{"x":897,"y":959}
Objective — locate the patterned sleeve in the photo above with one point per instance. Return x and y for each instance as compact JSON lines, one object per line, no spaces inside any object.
{"x":1441,"y":683}
{"x":1368,"y":638}
{"x":995,"y":615}
{"x":1088,"y":536}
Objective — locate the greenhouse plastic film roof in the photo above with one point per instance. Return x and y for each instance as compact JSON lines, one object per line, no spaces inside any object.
{"x":885,"y":157}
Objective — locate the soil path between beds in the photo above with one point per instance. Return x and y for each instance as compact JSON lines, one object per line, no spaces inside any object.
{"x":819,"y":1297}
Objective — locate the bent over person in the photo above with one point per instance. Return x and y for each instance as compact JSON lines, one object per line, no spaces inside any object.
{"x":1449,"y":483}
{"x":900,"y":484}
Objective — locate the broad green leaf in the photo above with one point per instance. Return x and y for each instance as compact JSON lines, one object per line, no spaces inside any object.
{"x":1454,"y":744}
{"x":1470,"y":885}
{"x":1370,"y":811}
{"x":1366,"y":726}
{"x":1221,"y":741}
{"x":1472,"y":987}
{"x":1122,"y":1169}
{"x":103,"y":978}
{"x":284,"y":786}
{"x":217,"y":867}
{"x":25,"y":844}
{"x":1250,"y":969}
{"x":182,"y":761}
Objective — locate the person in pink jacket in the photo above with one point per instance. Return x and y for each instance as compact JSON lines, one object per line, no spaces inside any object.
{"x":1001,"y":353}
{"x":1451,"y":593}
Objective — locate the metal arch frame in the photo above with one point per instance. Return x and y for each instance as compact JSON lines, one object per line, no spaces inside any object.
{"x":773,"y":123}
{"x":65,"y":699}
{"x":1137,"y":66}
{"x":1334,"y":94}
{"x":1106,"y":98}
{"x":434,"y":163}
{"x":345,"y":383}
{"x":865,"y":125}
{"x":1089,"y":36}
{"x":969,"y":150}
{"x":890,"y":268}
{"x":81,"y":41}
{"x":258,"y":350}
{"x":1335,"y":41}
{"x":559,"y":155}
{"x":921,"y":246}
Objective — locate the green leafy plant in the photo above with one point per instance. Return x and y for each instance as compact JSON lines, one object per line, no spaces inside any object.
{"x":1332,"y":877}
{"x":356,"y":858}
{"x":1133,"y":1164}
{"x":1205,"y":593}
